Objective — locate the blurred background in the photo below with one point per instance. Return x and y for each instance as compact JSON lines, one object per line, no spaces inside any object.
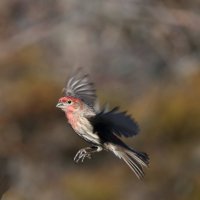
{"x":143,"y":55}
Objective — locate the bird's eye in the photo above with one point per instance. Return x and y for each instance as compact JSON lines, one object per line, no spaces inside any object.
{"x":69,"y":102}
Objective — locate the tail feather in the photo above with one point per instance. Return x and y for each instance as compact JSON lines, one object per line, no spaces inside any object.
{"x":137,"y":169}
{"x":135,"y":160}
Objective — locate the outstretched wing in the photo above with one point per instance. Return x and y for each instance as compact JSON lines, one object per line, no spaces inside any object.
{"x":115,"y":122}
{"x":79,"y":86}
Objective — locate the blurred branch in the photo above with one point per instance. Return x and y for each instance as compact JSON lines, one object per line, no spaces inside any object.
{"x":175,"y":17}
{"x":158,"y":14}
{"x":27,"y":37}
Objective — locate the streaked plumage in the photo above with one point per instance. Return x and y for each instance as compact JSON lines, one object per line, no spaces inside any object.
{"x":101,"y":129}
{"x":80,"y":87}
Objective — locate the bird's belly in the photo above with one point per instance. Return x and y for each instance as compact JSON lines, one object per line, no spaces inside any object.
{"x":89,"y":137}
{"x":86,"y":132}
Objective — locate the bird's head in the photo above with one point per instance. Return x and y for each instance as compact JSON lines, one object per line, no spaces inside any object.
{"x":69,"y":104}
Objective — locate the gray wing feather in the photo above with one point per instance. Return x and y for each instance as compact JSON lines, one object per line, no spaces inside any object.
{"x":79,"y":86}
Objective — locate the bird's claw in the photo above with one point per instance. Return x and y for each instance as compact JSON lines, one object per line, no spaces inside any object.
{"x":81,"y":155}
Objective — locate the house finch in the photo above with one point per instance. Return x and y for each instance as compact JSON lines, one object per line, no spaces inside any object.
{"x":100,"y":128}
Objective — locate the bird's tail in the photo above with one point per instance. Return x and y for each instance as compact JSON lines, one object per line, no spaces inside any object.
{"x":135,"y":160}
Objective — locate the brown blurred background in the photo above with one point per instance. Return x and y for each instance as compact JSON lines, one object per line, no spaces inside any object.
{"x":142,"y":54}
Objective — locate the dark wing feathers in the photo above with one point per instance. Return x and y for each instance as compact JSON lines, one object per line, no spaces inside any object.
{"x":79,"y":86}
{"x":115,"y":122}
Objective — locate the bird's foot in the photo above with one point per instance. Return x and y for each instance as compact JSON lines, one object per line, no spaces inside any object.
{"x":81,"y":155}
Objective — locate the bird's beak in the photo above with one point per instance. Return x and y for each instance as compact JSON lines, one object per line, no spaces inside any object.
{"x":59,"y":105}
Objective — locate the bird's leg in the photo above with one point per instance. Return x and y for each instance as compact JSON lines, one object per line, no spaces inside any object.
{"x":86,"y":153}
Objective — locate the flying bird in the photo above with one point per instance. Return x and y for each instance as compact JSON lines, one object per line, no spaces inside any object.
{"x":101,"y":128}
